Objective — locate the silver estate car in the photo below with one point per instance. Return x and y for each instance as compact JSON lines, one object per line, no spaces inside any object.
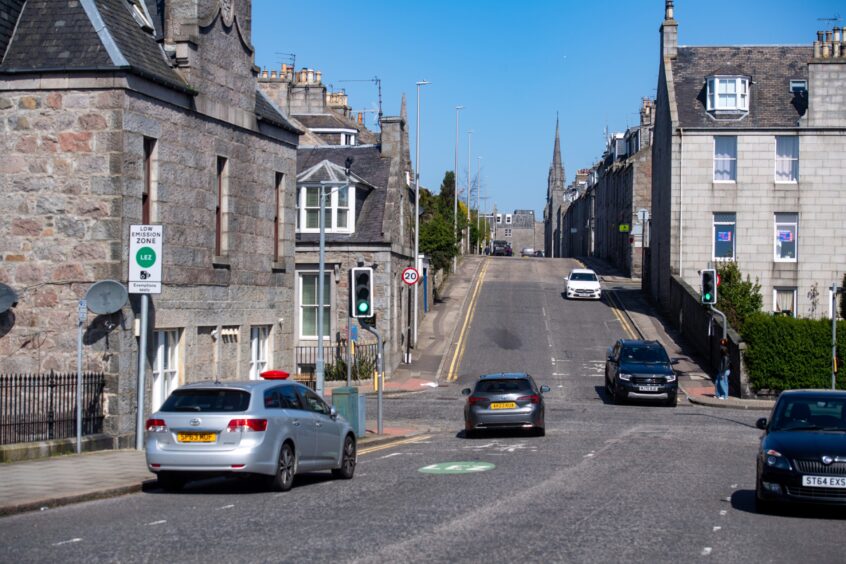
{"x":270,"y":428}
{"x":504,"y":400}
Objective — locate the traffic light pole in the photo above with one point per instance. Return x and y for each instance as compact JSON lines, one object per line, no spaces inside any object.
{"x":725,"y":321}
{"x":380,"y":372}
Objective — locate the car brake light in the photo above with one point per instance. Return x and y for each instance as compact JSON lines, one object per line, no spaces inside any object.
{"x":534,"y":398}
{"x":247,"y":425}
{"x":156,"y":425}
{"x":473,"y":400}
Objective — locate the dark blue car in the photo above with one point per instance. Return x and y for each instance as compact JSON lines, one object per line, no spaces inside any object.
{"x":640,"y":370}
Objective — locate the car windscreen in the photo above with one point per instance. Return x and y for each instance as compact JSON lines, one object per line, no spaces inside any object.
{"x":201,"y":400}
{"x":806,"y":413}
{"x":644,"y":355}
{"x":504,"y":386}
{"x":583,"y":277}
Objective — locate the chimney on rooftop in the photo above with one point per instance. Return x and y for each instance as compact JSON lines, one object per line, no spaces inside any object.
{"x":669,"y":32}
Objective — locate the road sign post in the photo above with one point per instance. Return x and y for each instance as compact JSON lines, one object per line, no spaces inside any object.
{"x":145,"y":277}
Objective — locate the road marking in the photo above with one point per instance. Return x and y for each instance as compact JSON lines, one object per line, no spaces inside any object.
{"x":705,"y":551}
{"x":723,"y":512}
{"x":457,"y":467}
{"x":616,"y":310}
{"x":390,"y":455}
{"x":715,"y":529}
{"x":162,"y":522}
{"x":230,"y":506}
{"x":452,"y":375}
{"x":69,"y":541}
{"x":368,"y":450}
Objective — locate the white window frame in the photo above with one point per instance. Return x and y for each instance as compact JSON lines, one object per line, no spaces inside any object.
{"x":499,"y":218}
{"x":332,"y":208}
{"x":783,"y":223}
{"x":730,"y":159}
{"x":714,"y":224}
{"x":259,"y":350}
{"x":792,"y":159}
{"x":165,"y":365}
{"x":778,"y":289}
{"x":327,"y":305}
{"x":508,"y":219}
{"x":508,"y":232}
{"x":722,"y":89}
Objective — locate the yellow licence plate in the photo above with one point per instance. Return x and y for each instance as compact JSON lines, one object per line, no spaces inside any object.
{"x":196,"y":437}
{"x":503,"y":405}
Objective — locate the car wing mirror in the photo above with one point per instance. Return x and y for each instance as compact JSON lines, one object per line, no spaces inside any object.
{"x":465,"y":392}
{"x":761,"y":423}
{"x":544,"y":389}
{"x":674,"y":360}
{"x":333,"y":413}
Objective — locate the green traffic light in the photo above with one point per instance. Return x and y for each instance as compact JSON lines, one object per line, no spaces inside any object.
{"x":362,"y":307}
{"x":708,"y":297}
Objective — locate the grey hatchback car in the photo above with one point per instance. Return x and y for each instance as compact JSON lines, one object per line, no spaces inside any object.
{"x":504,"y":400}
{"x":270,"y":428}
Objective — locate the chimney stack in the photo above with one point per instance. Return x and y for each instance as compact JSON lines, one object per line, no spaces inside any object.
{"x":669,"y":32}
{"x":360,"y":118}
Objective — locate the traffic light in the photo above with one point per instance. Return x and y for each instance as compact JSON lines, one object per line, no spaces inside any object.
{"x":361,"y":292}
{"x":709,"y":286}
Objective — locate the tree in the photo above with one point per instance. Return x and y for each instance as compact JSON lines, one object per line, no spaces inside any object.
{"x":737,"y":298}
{"x":437,"y":241}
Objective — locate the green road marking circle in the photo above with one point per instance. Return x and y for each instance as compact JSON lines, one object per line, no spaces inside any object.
{"x":457,"y":467}
{"x":145,"y":257}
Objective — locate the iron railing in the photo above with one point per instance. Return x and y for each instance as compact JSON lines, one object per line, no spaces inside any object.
{"x":40,"y":407}
{"x":335,"y":358}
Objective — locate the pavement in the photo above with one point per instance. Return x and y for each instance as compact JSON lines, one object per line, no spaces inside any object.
{"x":61,"y":480}
{"x":694,"y":380}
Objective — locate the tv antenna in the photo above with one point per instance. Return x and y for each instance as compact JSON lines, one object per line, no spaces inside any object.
{"x":836,"y":18}
{"x":288,"y":57}
{"x":376,"y":80}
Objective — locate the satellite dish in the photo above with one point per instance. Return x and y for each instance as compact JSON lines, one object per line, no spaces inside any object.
{"x":106,"y":296}
{"x":8,"y":298}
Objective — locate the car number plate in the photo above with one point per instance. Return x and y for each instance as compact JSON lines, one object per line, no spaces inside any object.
{"x":503,"y":405}
{"x":196,"y":437}
{"x":648,"y":388}
{"x":824,"y":481}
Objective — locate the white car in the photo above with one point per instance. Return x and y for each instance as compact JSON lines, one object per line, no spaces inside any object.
{"x":582,"y":283}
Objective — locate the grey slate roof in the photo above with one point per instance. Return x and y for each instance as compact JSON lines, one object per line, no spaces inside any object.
{"x":771,"y":104}
{"x":9,"y":12}
{"x":321,"y":121}
{"x":370,"y":166}
{"x":267,"y":110}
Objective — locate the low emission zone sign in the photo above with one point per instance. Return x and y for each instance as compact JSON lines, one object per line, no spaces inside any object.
{"x":145,"y":259}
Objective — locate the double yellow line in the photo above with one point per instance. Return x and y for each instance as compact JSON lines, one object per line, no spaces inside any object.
{"x":616,"y":308}
{"x":392,"y":444}
{"x":452,"y":375}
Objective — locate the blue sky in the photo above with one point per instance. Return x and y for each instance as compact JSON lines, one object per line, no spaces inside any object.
{"x":513,"y":65}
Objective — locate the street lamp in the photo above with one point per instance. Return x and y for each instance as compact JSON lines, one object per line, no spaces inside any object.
{"x":335,"y":186}
{"x":469,"y":139}
{"x":455,"y":188}
{"x":417,"y":204}
{"x":478,"y":191}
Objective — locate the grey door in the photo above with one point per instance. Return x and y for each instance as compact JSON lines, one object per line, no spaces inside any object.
{"x":327,"y":429}
{"x":303,"y":424}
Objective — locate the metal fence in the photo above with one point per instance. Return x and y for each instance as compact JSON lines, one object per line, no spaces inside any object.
{"x":335,"y":360}
{"x":40,"y":407}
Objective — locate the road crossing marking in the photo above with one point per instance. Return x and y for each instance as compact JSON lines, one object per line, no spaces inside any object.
{"x":161,"y":522}
{"x":69,"y":541}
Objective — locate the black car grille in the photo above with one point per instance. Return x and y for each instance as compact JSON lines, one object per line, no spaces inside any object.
{"x":648,"y":380}
{"x":817,"y":467}
{"x":801,"y":491}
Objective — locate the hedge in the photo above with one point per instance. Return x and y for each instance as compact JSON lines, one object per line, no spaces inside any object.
{"x":784,"y":353}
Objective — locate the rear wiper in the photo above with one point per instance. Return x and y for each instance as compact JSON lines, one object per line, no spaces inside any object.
{"x":188,"y":408}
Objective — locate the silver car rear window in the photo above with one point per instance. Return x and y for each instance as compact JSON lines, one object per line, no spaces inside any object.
{"x":201,"y":400}
{"x":504,"y":386}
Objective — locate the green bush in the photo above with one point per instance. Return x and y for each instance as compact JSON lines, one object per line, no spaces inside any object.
{"x":737,"y":298}
{"x":786,"y":353}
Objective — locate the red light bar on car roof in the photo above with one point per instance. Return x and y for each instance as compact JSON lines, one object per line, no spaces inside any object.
{"x":274,"y":375}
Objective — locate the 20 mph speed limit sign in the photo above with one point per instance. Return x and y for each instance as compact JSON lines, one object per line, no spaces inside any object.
{"x":410,"y":276}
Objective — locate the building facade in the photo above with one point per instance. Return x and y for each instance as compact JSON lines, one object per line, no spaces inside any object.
{"x":121,"y":113}
{"x":747,"y":161}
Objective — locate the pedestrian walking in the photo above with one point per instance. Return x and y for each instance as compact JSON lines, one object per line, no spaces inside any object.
{"x":721,"y":380}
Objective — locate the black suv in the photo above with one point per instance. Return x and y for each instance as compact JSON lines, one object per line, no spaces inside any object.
{"x":640,"y":369}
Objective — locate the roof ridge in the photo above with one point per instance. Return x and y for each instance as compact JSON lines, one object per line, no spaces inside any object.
{"x":103,"y":33}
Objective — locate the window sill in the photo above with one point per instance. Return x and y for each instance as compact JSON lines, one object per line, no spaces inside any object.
{"x":785,"y":186}
{"x":278,"y":266}
{"x":725,"y":183}
{"x":785,"y":261}
{"x":221,"y":262}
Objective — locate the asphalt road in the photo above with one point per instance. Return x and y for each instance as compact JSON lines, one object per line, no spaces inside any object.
{"x":635,"y":483}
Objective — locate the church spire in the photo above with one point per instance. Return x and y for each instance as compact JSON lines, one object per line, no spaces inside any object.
{"x":556,"y":152}
{"x":556,"y":169}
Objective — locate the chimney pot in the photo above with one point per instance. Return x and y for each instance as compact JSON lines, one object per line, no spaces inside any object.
{"x":837,"y":36}
{"x":668,"y":10}
{"x":310,"y":76}
{"x":826,"y":50}
{"x":272,"y":74}
{"x":264,"y":73}
{"x":820,"y":36}
{"x":817,"y":50}
{"x":318,"y":76}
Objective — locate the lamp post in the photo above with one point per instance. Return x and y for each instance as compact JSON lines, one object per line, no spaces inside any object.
{"x":455,"y":188}
{"x":478,"y":210}
{"x":417,"y":205}
{"x":469,"y":139}
{"x":319,"y":369}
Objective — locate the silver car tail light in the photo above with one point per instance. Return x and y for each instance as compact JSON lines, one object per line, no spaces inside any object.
{"x":247,"y":425}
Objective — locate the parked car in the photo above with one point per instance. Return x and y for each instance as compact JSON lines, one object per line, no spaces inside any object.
{"x":508,"y":251}
{"x":582,"y":283}
{"x":527,"y":252}
{"x":539,"y":253}
{"x":273,"y":429}
{"x":802,"y":457}
{"x":502,"y":401}
{"x":640,"y":369}
{"x":499,"y":248}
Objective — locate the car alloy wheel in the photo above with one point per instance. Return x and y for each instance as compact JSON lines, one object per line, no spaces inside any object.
{"x":348,"y":460}
{"x":283,"y":480}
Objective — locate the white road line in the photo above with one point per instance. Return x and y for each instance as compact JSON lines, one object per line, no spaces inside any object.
{"x":723,"y":512}
{"x":705,"y":551}
{"x":67,"y":542}
{"x":715,"y":529}
{"x":230,"y":506}
{"x":390,"y":455}
{"x":162,"y":522}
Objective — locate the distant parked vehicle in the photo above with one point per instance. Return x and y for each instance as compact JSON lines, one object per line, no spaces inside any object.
{"x":268,"y":428}
{"x":501,"y":248}
{"x":527,"y":252}
{"x":539,"y":253}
